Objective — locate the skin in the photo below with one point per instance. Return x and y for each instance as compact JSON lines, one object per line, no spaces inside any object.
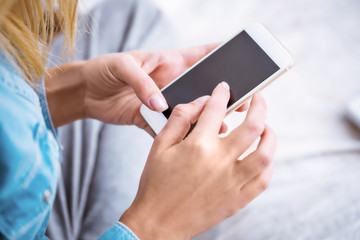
{"x":188,"y":184}
{"x":112,"y":87}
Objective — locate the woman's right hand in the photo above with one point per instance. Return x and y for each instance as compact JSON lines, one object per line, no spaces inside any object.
{"x":189,"y":185}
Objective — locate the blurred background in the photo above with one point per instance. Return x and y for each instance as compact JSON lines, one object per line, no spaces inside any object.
{"x":315,"y":192}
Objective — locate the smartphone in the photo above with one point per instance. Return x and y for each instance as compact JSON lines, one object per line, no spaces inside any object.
{"x":248,"y":62}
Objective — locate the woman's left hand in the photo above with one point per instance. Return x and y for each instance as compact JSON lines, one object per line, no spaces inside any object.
{"x":116,"y":84}
{"x":112,"y":87}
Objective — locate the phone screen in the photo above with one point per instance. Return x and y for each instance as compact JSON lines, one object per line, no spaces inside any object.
{"x":241,"y":63}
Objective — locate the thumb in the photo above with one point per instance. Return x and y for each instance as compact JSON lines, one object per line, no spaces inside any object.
{"x":144,"y":86}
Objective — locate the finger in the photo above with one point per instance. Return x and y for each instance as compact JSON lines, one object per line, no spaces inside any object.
{"x":148,"y":60}
{"x":260,"y":159}
{"x":255,"y":186}
{"x":244,"y":136}
{"x":243,"y":107}
{"x":165,"y":66}
{"x":129,"y":71}
{"x":194,"y":54}
{"x":214,"y":112}
{"x":180,"y":121}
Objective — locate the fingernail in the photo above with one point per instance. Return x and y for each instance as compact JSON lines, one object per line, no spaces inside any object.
{"x":225,"y":85}
{"x":158,"y":103}
{"x":202,"y":100}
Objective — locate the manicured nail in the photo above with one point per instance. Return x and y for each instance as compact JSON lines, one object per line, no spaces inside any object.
{"x":225,"y":85}
{"x":202,"y":100}
{"x":158,"y":103}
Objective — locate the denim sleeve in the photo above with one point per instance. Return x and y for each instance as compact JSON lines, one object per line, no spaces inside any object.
{"x":29,"y":164}
{"x":119,"y":232}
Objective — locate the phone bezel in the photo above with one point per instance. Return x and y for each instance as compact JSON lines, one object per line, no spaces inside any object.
{"x":271,"y":46}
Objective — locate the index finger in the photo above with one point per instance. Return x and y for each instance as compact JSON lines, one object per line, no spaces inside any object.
{"x":214,"y":112}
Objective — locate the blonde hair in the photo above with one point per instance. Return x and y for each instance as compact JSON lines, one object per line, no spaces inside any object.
{"x":27,"y":28}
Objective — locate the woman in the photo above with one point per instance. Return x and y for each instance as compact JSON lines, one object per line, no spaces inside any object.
{"x":187,"y":186}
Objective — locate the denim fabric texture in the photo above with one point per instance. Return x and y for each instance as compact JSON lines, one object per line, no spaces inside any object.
{"x":119,"y":232}
{"x":29,"y":159}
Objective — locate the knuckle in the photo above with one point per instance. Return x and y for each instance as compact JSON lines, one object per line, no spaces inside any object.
{"x":180,"y":111}
{"x":264,"y":158}
{"x":117,"y":63}
{"x":264,"y":184}
{"x":183,"y":114}
{"x":170,"y":59}
{"x":255,"y":127}
{"x":203,"y":146}
{"x":122,"y":58}
{"x":200,"y":145}
{"x":163,"y":58}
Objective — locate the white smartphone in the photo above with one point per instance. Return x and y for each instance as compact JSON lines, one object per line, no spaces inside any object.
{"x":247,"y":62}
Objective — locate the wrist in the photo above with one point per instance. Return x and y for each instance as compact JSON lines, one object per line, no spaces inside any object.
{"x":147,"y":226}
{"x":145,"y":229}
{"x":65,"y":90}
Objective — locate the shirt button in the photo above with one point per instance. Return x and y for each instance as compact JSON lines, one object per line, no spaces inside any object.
{"x":47,"y":196}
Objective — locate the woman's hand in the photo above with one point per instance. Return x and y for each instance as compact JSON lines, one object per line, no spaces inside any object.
{"x":190,"y":185}
{"x":117,"y":84}
{"x":111,"y":87}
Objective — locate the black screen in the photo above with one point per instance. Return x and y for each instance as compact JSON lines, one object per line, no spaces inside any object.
{"x":240,"y":62}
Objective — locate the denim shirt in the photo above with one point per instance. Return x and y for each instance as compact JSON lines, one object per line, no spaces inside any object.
{"x":29,"y":160}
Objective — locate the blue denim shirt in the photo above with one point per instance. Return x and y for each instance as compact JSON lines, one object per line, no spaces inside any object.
{"x":29,"y":160}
